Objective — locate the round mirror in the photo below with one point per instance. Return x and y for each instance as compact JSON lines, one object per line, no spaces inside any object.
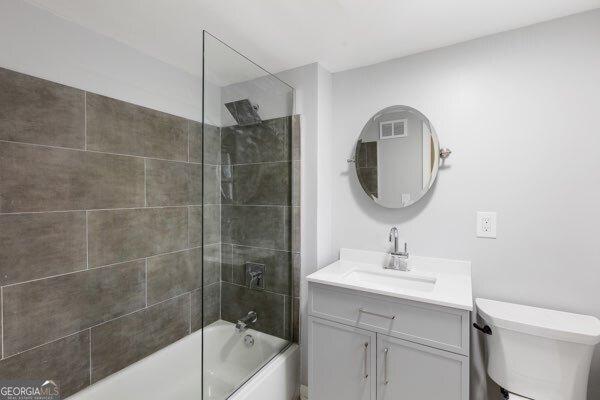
{"x":397,"y":156}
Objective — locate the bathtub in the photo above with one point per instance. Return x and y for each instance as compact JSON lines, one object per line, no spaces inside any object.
{"x":175,"y":372}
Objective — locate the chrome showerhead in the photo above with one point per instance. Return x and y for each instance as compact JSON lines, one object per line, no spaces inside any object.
{"x":243,"y":112}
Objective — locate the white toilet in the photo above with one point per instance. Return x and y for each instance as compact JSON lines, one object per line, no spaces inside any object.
{"x":535,"y":353}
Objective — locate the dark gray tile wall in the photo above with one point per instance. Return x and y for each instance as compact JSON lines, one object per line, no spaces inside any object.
{"x":237,"y":301}
{"x":34,"y":110}
{"x":123,"y":341}
{"x":212,"y":264}
{"x":260,"y":222}
{"x":261,"y":184}
{"x":173,"y":274}
{"x":101,"y":210}
{"x":212,"y":224}
{"x":173,"y":183}
{"x":34,"y":246}
{"x":277,"y":267}
{"x":66,"y":361}
{"x":40,"y":311}
{"x":120,"y":235}
{"x":212,"y":303}
{"x":117,"y":127}
{"x":257,"y":226}
{"x":212,"y":142}
{"x":195,"y":140}
{"x":36,"y":178}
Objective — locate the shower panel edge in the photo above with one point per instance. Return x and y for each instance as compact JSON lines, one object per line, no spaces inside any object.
{"x":250,"y":220}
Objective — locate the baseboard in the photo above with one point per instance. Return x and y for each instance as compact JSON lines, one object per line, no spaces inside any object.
{"x":303,"y":392}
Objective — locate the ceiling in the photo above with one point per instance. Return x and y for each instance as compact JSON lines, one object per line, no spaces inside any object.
{"x":283,"y":34}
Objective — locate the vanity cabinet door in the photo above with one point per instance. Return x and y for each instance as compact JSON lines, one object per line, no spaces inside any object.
{"x":411,"y":371}
{"x":341,"y":362}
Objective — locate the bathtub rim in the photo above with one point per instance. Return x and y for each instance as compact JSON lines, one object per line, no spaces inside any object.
{"x":244,"y":391}
{"x":276,"y":357}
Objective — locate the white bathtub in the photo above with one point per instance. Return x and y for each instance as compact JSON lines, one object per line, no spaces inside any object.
{"x":175,"y":372}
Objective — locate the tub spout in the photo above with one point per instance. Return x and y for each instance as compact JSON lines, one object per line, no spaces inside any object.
{"x":245,"y":322}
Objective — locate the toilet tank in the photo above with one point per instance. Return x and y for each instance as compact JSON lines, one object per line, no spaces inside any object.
{"x":538,"y":353}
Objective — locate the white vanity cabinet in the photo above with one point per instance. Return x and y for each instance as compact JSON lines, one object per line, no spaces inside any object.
{"x":407,"y":370}
{"x":367,"y":346}
{"x":377,"y":334}
{"x":344,"y":361}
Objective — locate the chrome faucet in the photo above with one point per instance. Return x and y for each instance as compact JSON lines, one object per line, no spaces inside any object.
{"x":399,"y":259}
{"x":245,"y":322}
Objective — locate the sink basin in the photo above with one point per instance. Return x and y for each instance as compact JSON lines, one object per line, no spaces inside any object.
{"x":390,"y":280}
{"x":436,"y":281}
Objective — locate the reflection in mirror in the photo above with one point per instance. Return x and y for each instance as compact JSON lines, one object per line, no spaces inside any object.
{"x":397,"y":156}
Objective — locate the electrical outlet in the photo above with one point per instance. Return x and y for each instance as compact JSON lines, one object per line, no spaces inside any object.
{"x":486,"y":224}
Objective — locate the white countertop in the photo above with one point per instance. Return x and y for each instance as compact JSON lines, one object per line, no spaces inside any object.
{"x":430,"y":280}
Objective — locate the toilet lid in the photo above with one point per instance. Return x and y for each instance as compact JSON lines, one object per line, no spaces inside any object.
{"x":536,"y":321}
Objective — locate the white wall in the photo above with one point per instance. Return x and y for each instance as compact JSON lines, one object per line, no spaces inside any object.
{"x":36,"y":42}
{"x":520,"y":112}
{"x":312,"y":101}
{"x":325,"y":253}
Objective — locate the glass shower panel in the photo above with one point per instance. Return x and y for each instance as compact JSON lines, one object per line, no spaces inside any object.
{"x":247,"y":218}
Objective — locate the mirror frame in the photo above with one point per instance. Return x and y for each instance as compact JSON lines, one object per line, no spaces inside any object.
{"x":437,"y":154}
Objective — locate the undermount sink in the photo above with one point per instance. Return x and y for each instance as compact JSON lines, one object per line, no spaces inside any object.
{"x":429,"y":280}
{"x":390,"y":280}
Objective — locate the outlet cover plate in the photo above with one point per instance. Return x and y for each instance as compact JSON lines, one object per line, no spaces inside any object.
{"x":486,"y":224}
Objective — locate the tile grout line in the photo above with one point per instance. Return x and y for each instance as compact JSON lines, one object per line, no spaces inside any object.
{"x":261,"y":291}
{"x":139,"y":309}
{"x":101,"y":152}
{"x":102,"y":266}
{"x":87,"y":244}
{"x":188,"y":224}
{"x":95,"y":210}
{"x":47,"y":343}
{"x":139,"y":156}
{"x":257,"y":247}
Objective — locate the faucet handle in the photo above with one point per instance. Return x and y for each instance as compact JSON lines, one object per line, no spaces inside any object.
{"x":405,"y":252}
